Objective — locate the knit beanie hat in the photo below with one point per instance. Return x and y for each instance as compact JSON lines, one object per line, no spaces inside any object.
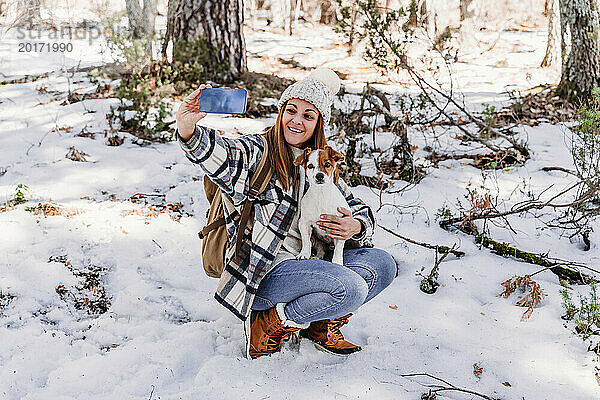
{"x":318,"y":89}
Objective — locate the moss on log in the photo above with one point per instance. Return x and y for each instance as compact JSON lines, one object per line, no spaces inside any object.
{"x":505,"y":250}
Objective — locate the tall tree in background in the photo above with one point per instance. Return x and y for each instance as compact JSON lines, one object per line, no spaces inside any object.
{"x":580,"y":49}
{"x":141,"y":20}
{"x":30,"y":9}
{"x":466,"y":10}
{"x":328,"y":12}
{"x":551,"y":51}
{"x":213,"y":24}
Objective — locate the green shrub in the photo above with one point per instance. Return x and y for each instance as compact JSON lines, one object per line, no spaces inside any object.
{"x":19,"y":197}
{"x":585,"y":144}
{"x":490,"y":119}
{"x":130,"y":52}
{"x":194,"y":62}
{"x":142,"y":111}
{"x":585,"y":315}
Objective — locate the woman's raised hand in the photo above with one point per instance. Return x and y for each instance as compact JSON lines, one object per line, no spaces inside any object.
{"x":188,"y":113}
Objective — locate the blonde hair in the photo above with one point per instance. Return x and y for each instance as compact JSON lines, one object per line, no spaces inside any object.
{"x":281,"y":157}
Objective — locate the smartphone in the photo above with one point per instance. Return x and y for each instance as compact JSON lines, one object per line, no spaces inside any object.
{"x":223,"y":101}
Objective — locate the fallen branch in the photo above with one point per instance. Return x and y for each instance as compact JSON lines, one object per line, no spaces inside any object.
{"x":441,"y":388}
{"x":498,"y":160}
{"x":525,"y":206}
{"x":504,"y":250}
{"x":441,"y":249}
{"x":568,"y":171}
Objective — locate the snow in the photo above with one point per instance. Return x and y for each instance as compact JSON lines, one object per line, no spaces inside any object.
{"x":164,"y":337}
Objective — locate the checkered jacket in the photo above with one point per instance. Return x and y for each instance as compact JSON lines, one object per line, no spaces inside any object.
{"x":230,"y":163}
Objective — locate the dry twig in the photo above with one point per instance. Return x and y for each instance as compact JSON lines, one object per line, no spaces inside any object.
{"x":441,"y":249}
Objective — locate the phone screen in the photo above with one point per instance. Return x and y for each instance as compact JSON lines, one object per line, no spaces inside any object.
{"x":223,"y":101}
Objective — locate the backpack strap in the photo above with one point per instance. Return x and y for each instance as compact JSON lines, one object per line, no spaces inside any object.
{"x":262,"y":175}
{"x":212,"y":226}
{"x":258,"y":184}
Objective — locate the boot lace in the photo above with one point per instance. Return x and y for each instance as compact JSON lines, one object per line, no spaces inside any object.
{"x":335,"y":325}
{"x":276,"y":338}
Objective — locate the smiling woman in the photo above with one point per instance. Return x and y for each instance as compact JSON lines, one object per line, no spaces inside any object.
{"x":269,"y":286}
{"x":299,"y":122}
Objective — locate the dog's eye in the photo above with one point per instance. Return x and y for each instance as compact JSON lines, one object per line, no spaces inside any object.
{"x":327,"y":164}
{"x":310,"y":166}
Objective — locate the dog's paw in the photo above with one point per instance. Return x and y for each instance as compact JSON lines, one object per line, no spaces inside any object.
{"x":338,"y":260}
{"x":304,"y":255}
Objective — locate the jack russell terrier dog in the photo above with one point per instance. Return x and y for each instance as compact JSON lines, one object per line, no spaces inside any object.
{"x":322,"y":197}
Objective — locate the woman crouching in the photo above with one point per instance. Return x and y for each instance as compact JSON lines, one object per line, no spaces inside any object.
{"x":266,"y":285}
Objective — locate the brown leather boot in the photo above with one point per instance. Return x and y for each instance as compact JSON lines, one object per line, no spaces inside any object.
{"x":326,"y":336}
{"x":267,"y":333}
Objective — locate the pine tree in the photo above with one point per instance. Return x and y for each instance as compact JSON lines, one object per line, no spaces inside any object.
{"x":580,"y":49}
{"x":218,"y":24}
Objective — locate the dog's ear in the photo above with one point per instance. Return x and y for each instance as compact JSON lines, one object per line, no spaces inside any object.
{"x":303,"y":158}
{"x":336,"y":156}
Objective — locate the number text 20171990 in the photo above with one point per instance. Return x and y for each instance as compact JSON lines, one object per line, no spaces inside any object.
{"x":45,"y":47}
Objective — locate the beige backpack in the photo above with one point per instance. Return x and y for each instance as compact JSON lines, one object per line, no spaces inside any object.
{"x":214,"y":234}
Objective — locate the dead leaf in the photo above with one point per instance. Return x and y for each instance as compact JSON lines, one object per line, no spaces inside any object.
{"x":76,"y":155}
{"x":85,"y":133}
{"x":394,"y":307}
{"x":52,"y":209}
{"x":116,"y":140}
{"x":477,"y":370}
{"x":523,"y":283}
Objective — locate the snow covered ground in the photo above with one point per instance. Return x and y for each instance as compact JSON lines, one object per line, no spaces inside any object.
{"x":164,"y":337}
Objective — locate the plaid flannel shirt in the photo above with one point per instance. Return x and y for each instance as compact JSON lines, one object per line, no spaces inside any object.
{"x":230,"y":163}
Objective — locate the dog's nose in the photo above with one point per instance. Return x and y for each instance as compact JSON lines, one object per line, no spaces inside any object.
{"x":319,"y":176}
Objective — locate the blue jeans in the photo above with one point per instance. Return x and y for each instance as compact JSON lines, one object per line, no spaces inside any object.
{"x":316,"y":289}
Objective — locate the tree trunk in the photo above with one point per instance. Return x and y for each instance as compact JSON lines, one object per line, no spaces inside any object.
{"x":550,"y":56}
{"x":290,"y":15}
{"x":297,"y":12}
{"x":465,"y":13}
{"x":218,"y":23}
{"x":253,"y":10}
{"x":141,"y":20}
{"x":328,"y":13}
{"x":580,"y":50}
{"x":278,"y":13}
{"x":30,"y":11}
{"x":134,"y":14}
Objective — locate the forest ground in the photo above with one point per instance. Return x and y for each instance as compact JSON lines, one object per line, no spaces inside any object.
{"x":103,"y":294}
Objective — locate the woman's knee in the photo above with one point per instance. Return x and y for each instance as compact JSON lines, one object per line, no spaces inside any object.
{"x":387,"y":269}
{"x":351,"y":289}
{"x":379,"y":264}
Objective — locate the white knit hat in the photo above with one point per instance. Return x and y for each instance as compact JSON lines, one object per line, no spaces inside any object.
{"x":318,"y":89}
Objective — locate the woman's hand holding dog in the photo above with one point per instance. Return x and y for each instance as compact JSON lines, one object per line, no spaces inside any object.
{"x":342,"y":228}
{"x":188,"y":113}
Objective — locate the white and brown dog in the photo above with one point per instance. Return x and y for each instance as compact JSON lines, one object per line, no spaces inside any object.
{"x":322,"y":197}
